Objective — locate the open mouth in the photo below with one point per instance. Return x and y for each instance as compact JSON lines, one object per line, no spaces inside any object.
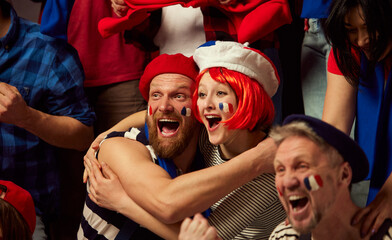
{"x":298,"y":202}
{"x":168,"y":127}
{"x":213,"y":121}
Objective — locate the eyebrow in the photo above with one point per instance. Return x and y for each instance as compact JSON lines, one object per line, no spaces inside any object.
{"x":177,"y":87}
{"x":276,"y":162}
{"x":347,"y":24}
{"x":184,"y":87}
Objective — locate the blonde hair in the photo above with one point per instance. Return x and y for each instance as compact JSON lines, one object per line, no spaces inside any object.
{"x":302,"y":129}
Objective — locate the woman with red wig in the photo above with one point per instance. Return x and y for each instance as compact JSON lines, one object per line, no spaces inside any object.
{"x":233,"y":101}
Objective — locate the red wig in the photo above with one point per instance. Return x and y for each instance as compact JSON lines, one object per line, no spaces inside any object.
{"x":254,"y":106}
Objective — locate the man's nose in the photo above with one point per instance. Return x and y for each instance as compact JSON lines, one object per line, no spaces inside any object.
{"x":291,"y":180}
{"x":165,"y":105}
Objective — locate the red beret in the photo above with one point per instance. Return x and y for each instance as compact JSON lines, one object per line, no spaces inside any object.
{"x":166,"y":63}
{"x":22,"y":201}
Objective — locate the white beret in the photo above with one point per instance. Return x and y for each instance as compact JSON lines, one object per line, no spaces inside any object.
{"x":238,"y":57}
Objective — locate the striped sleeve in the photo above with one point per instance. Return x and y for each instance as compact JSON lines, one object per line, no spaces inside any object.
{"x":249,"y":212}
{"x":284,"y":232}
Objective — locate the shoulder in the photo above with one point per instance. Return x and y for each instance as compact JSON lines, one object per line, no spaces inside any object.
{"x":53,"y":49}
{"x":284,"y":232}
{"x":32,"y":35}
{"x":120,"y":149}
{"x":53,"y":58}
{"x":122,"y":143}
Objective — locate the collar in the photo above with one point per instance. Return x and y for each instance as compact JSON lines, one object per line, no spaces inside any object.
{"x":9,"y":39}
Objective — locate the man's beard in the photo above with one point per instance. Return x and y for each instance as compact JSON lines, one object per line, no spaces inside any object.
{"x":310,"y":226}
{"x":170,"y":147}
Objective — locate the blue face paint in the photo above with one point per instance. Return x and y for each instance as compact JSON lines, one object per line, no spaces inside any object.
{"x":186,"y":112}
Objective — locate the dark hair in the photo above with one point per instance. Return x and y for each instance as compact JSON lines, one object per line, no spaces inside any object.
{"x":12,"y":223}
{"x":378,"y":17}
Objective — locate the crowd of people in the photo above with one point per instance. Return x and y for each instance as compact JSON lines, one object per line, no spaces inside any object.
{"x":178,"y":108}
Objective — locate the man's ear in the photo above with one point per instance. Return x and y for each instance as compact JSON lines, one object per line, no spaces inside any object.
{"x":346,"y":174}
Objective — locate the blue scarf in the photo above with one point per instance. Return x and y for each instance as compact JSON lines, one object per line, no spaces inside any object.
{"x":374,"y":124}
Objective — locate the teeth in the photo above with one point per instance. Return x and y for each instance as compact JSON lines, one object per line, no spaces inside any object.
{"x":295,"y":209}
{"x":294,"y":198}
{"x":211,"y":117}
{"x":167,"y":120}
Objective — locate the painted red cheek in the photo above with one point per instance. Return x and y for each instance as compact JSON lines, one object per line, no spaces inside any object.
{"x":150,"y":111}
{"x":280,"y":193}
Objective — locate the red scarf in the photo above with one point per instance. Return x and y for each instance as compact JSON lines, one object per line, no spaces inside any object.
{"x":245,"y":15}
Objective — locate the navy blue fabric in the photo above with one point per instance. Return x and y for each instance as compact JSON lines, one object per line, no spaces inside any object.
{"x":55,"y":17}
{"x":315,"y":8}
{"x":127,"y":230}
{"x":113,"y":217}
{"x":91,"y":232}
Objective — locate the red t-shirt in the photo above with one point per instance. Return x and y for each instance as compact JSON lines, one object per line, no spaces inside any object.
{"x":105,"y":61}
{"x":332,"y":64}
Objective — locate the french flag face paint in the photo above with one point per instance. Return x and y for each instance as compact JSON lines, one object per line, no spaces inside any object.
{"x":226,"y":107}
{"x":280,"y":192}
{"x":313,"y":182}
{"x":149,"y":111}
{"x":186,"y":112}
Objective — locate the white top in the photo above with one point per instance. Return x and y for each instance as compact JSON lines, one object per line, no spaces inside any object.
{"x":181,"y":30}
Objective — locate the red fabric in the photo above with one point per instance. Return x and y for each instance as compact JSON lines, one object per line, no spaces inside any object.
{"x":263,"y":20}
{"x":217,"y":26}
{"x":105,"y":61}
{"x":252,"y":19}
{"x":165,"y":63}
{"x":333,"y":65}
{"x":306,"y":24}
{"x":22,"y":201}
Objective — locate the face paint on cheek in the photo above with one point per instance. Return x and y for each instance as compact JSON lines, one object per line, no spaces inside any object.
{"x":186,"y":112}
{"x":226,"y":107}
{"x":149,"y":111}
{"x":313,"y":182}
{"x":280,"y":192}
